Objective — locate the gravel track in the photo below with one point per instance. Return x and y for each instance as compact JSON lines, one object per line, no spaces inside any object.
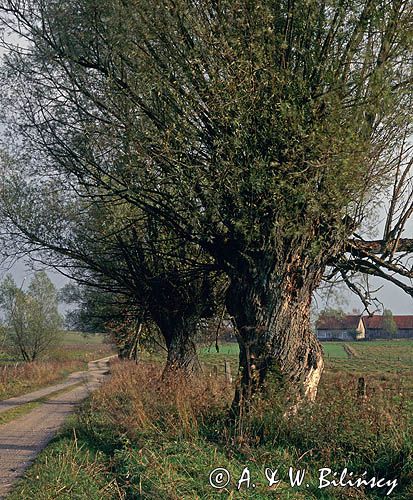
{"x":23,"y":438}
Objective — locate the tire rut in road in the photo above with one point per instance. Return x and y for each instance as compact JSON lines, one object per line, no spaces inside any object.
{"x":22,"y":439}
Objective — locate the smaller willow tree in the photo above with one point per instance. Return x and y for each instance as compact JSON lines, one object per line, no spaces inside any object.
{"x":120,"y":252}
{"x":94,"y":310}
{"x":32,"y":321}
{"x":263,"y":132}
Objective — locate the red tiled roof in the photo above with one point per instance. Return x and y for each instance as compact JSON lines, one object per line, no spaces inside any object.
{"x":332,"y":323}
{"x":376,"y":322}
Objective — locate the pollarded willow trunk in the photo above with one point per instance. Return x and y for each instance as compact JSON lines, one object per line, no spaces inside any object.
{"x":178,"y":304}
{"x":271,"y":310}
{"x":179,"y":333}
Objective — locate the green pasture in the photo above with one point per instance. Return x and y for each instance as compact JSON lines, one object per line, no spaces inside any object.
{"x":106,"y":454}
{"x":384,"y":349}
{"x":70,"y":338}
{"x":377,"y":358}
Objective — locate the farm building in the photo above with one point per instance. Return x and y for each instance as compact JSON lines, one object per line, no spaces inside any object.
{"x":352,"y":327}
{"x":376,"y":327}
{"x":340,"y":328}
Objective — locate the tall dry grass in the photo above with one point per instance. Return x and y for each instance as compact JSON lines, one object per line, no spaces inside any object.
{"x":18,"y":378}
{"x":137,"y":398}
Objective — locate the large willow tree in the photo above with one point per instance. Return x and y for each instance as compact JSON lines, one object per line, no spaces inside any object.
{"x":260,"y":131}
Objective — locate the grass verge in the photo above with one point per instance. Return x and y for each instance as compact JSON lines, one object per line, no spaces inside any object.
{"x":22,"y":378}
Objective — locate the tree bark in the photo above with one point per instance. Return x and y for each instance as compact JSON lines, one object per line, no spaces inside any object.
{"x":178,"y":332}
{"x":177,"y":305}
{"x":271,"y":311}
{"x":182,"y":355}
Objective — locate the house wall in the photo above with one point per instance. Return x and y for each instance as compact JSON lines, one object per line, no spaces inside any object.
{"x":335,"y":335}
{"x":360,"y":331}
{"x":404,"y":333}
{"x":373,"y":333}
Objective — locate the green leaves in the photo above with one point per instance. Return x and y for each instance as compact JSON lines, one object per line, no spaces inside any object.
{"x":32,"y":320}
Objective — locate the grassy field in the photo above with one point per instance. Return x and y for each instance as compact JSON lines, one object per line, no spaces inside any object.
{"x":82,"y":347}
{"x":139,"y":438}
{"x":378,"y":360}
{"x":380,"y":349}
{"x":72,"y":354}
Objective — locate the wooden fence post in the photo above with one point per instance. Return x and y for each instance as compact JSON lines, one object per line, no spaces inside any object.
{"x":361,"y":388}
{"x":227,"y":368}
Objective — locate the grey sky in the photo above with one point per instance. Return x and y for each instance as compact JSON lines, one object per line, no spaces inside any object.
{"x":390,"y":295}
{"x":23,"y":274}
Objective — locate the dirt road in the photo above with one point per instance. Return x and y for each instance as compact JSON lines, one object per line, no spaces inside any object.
{"x":23,"y":438}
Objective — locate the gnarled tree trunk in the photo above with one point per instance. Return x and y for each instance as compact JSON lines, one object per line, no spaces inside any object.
{"x":182,"y":355}
{"x":178,"y":304}
{"x":178,"y":331}
{"x":271,"y":310}
{"x":128,"y":343}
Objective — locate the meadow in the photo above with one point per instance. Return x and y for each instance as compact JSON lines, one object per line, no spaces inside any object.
{"x":377,"y":361}
{"x":140,"y":438}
